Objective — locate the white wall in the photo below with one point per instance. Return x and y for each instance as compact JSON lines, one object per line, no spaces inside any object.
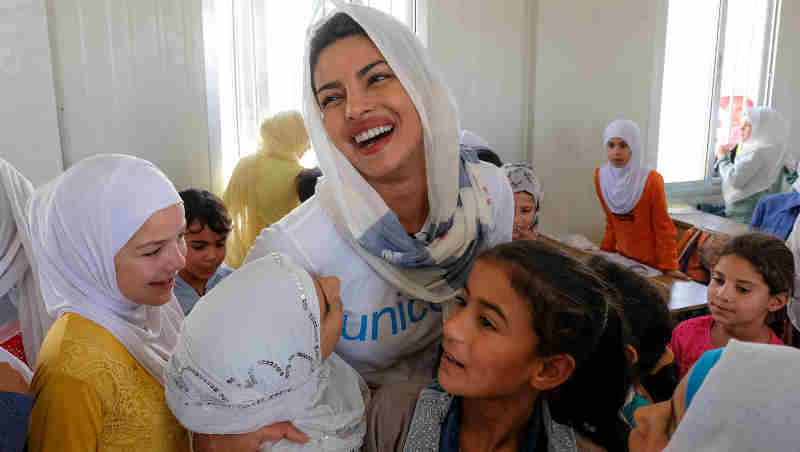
{"x":786,"y":89}
{"x":594,"y":64}
{"x":28,"y":121}
{"x":484,"y":50}
{"x":129,"y":78}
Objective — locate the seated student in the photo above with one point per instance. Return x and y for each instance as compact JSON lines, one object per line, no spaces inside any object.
{"x":743,"y":397}
{"x":753,"y":277}
{"x":533,"y":360}
{"x":633,"y":198}
{"x":257,"y":351}
{"x":528,"y":194}
{"x":207,"y":228}
{"x":652,"y":364}
{"x":755,"y":166}
{"x":15,"y":402}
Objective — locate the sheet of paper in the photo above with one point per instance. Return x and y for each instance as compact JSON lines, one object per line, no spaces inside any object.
{"x":686,"y":294}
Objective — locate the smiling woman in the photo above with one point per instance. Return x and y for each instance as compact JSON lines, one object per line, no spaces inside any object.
{"x":108,"y":244}
{"x":402,"y":210}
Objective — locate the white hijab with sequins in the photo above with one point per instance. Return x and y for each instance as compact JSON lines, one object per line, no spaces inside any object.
{"x":249,"y":355}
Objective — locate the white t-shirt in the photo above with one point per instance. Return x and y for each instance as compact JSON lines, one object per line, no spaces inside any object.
{"x":386,"y":336}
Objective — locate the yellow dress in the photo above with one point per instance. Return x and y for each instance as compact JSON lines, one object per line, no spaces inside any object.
{"x":92,"y":395}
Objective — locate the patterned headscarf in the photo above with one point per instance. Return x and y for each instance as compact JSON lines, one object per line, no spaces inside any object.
{"x":523,"y":179}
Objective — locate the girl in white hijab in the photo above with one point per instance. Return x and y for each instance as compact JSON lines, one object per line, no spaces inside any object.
{"x":108,"y":242}
{"x":402,"y":210}
{"x":528,"y":195}
{"x":635,"y":203}
{"x":753,"y":168}
{"x":21,"y":307}
{"x":743,"y":397}
{"x":274,"y":362}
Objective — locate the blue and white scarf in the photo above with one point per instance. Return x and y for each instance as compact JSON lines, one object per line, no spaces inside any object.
{"x":431,"y":266}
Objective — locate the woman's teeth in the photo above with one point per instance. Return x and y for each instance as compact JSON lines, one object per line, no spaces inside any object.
{"x":368,"y":135}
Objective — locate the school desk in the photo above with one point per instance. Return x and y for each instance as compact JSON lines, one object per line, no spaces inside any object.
{"x":686,"y":217}
{"x":662,"y":282}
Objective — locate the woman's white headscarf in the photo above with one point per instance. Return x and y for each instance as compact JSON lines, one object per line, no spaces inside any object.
{"x":770,"y":132}
{"x":249,"y":356}
{"x":459,"y":213}
{"x":623,"y":187}
{"x":79,"y":222}
{"x":748,"y":402}
{"x":18,"y":284}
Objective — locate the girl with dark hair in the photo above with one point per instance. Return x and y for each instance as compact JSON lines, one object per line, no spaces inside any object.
{"x":402,"y":210}
{"x":753,"y":278}
{"x":527,"y":344}
{"x":651,"y":364}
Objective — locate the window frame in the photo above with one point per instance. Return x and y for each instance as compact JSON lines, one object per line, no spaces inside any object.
{"x":709,"y":188}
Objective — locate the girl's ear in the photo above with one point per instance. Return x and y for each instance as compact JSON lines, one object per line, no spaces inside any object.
{"x":778,"y":301}
{"x":552,"y":371}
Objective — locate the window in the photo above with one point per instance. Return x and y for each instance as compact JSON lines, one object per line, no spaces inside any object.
{"x":254,"y":51}
{"x":718,"y":58}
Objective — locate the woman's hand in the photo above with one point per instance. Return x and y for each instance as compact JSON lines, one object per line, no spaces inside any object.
{"x":249,"y":442}
{"x":678,"y":275}
{"x":11,"y":380}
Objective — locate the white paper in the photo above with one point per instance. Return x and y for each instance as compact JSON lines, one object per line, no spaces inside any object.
{"x":687,"y":293}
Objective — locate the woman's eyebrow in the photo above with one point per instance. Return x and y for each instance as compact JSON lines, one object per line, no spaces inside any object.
{"x":363,"y":71}
{"x":331,"y":85}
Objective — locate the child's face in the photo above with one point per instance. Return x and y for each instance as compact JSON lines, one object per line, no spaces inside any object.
{"x":524,"y":213}
{"x":331,"y":316}
{"x":656,"y":423}
{"x":489,"y":343}
{"x":738,"y":296}
{"x":206,"y":250}
{"x":619,"y":153}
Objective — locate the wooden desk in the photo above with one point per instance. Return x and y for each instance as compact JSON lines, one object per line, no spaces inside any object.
{"x":662,"y":282}
{"x":686,"y":217}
